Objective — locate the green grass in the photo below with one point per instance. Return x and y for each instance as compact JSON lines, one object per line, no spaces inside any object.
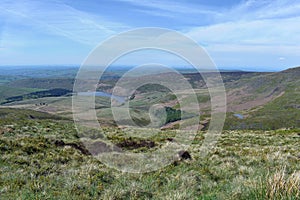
{"x":243,"y":165}
{"x":283,"y":112}
{"x":7,"y":91}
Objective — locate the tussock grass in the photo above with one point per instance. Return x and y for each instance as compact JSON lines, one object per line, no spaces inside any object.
{"x":243,"y":165}
{"x":283,"y":186}
{"x":278,"y":185}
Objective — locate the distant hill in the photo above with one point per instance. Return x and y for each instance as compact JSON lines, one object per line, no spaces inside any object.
{"x":39,"y":71}
{"x":269,"y":101}
{"x":265,"y":100}
{"x":44,"y":83}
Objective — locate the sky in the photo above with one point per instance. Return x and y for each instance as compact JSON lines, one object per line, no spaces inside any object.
{"x":237,"y":34}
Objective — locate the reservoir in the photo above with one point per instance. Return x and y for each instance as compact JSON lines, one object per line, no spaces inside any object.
{"x":240,"y":116}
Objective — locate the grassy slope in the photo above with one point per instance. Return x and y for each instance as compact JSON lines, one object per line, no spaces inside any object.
{"x":281,"y":112}
{"x":243,"y":165}
{"x":258,"y":92}
{"x":7,"y":92}
{"x":12,"y":114}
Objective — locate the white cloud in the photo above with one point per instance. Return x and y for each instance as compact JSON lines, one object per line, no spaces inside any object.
{"x":172,"y":7}
{"x":262,"y":9}
{"x":256,"y":32}
{"x":252,"y":30}
{"x":59,"y":19}
{"x":281,"y":58}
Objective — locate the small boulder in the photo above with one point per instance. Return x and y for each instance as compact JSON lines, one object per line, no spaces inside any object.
{"x":184,"y":155}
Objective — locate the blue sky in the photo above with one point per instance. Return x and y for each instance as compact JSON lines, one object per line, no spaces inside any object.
{"x":238,"y":34}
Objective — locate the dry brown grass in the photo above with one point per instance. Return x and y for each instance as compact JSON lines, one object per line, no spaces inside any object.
{"x":282,"y":186}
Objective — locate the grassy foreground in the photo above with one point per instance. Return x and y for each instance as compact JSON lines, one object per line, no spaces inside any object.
{"x":40,"y":159}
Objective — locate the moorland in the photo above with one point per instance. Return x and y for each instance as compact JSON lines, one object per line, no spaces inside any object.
{"x":256,"y":157}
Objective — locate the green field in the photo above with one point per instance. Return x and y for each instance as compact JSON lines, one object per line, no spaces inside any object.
{"x":7,"y":92}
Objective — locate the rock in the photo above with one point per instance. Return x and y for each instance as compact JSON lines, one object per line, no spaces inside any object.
{"x":170,"y":139}
{"x":184,"y":155}
{"x":80,"y":147}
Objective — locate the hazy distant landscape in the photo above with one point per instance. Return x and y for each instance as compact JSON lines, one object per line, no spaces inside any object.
{"x":255,"y":100}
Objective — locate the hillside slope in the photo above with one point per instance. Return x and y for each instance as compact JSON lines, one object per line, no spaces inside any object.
{"x":267,"y":101}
